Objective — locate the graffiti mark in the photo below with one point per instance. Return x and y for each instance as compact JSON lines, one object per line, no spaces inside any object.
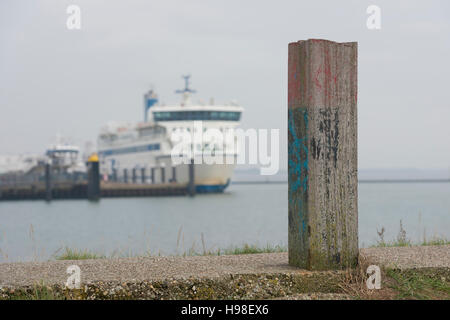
{"x":298,"y":152}
{"x":316,"y":147}
{"x":298,"y":161}
{"x":326,"y":146}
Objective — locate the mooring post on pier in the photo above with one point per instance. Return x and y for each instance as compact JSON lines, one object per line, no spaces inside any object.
{"x":152,"y":170}
{"x":114,"y":175}
{"x":322,"y":154}
{"x":143,"y":176}
{"x":48,"y":182}
{"x":174,"y":175}
{"x":163,"y":174}
{"x":93,"y":187}
{"x":133,"y":175}
{"x":191,"y":183}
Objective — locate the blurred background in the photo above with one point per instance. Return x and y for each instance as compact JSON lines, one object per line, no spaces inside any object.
{"x":70,"y":82}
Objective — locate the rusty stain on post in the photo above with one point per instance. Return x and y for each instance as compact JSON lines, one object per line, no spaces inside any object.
{"x":322,"y":160}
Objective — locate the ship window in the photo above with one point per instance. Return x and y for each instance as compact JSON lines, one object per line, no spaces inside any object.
{"x":196,"y":115}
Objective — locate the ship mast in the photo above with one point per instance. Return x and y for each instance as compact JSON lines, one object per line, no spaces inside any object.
{"x":186,"y":92}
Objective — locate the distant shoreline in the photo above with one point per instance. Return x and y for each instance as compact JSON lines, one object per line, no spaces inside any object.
{"x":404,"y":180}
{"x":359,"y":181}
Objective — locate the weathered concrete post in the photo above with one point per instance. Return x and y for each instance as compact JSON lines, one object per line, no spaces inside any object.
{"x":48,"y":182}
{"x":322,"y":147}
{"x":125,"y":175}
{"x":93,"y":187}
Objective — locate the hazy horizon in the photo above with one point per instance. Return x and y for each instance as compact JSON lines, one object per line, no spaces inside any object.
{"x":54,"y":80}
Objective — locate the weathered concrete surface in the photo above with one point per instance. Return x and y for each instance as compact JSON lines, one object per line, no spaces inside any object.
{"x":409,"y":257}
{"x":162,"y":268}
{"x":322,"y":162}
{"x":148,"y":268}
{"x":253,"y":276}
{"x":317,"y":296}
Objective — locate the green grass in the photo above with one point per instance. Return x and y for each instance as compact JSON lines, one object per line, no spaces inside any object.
{"x":252,"y":249}
{"x":383,"y":244}
{"x":435,"y":241}
{"x":76,"y":254}
{"x":403,"y":241}
{"x":39,"y":292}
{"x":234,"y":250}
{"x":412,"y":284}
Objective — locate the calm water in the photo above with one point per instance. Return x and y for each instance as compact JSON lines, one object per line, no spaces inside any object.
{"x":254,"y":214}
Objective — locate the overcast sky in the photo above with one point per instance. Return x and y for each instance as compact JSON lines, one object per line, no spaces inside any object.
{"x":54,"y":80}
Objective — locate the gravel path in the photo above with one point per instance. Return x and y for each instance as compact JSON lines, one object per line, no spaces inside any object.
{"x":410,"y":257}
{"x":139,"y":269}
{"x":162,"y":268}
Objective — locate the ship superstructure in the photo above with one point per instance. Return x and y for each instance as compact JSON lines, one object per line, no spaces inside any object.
{"x":149,"y":144}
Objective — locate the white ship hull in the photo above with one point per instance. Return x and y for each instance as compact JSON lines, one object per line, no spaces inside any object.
{"x":142,"y":153}
{"x":207,"y":177}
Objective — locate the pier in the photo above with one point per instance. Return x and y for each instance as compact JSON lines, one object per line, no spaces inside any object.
{"x":80,"y":191}
{"x":50,"y":185}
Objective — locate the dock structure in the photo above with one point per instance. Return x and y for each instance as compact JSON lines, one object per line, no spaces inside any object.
{"x":322,"y":154}
{"x":110,"y":190}
{"x":48,"y":182}
{"x":93,"y":176}
{"x":39,"y":191}
{"x":80,"y":191}
{"x":93,"y":187}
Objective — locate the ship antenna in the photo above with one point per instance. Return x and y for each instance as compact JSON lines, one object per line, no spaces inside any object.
{"x":186,"y":92}
{"x":186,"y":85}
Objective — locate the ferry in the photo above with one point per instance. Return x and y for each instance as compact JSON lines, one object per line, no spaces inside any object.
{"x":66,"y":158}
{"x":141,"y":147}
{"x":65,"y":161}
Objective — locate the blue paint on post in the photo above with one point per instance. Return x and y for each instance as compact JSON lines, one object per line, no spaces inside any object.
{"x":298,"y":161}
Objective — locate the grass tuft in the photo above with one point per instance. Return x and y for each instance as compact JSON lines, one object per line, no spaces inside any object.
{"x":252,"y":249}
{"x":403,"y":241}
{"x":39,"y":291}
{"x":412,"y":284}
{"x":75,"y":254}
{"x":435,"y":241}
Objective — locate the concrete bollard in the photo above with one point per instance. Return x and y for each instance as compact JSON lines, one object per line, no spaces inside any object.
{"x":93,"y":187}
{"x":322,"y":159}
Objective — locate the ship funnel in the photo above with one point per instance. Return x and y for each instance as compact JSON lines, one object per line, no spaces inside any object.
{"x":150,"y":99}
